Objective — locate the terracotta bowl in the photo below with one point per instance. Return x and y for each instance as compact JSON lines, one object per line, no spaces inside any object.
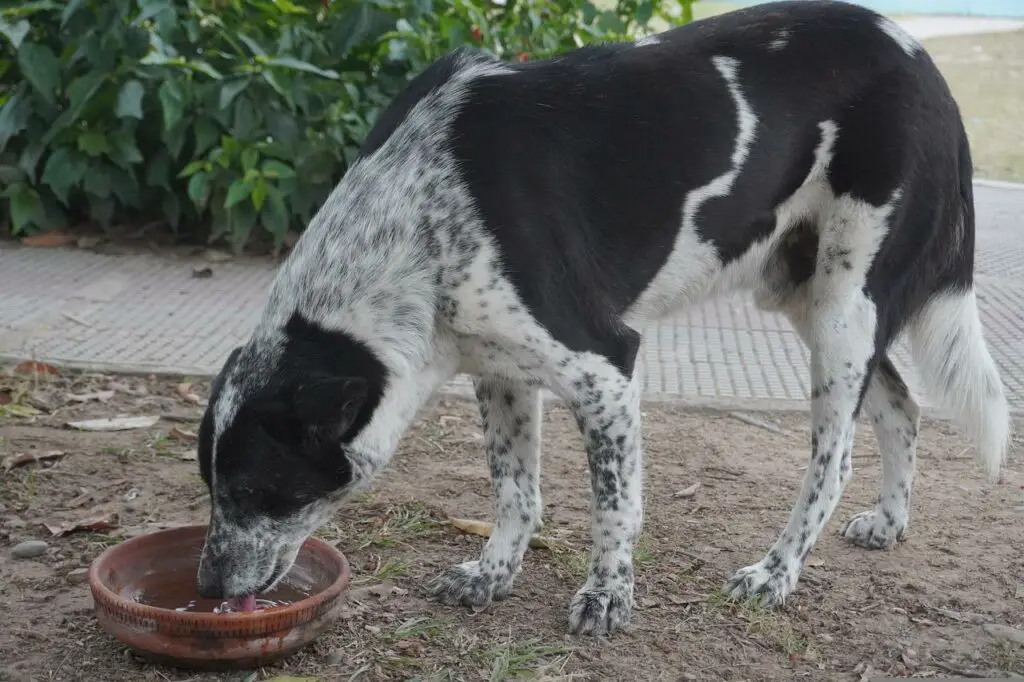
{"x":160,"y":568}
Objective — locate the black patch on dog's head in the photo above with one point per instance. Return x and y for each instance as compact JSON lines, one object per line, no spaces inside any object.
{"x":284,"y":447}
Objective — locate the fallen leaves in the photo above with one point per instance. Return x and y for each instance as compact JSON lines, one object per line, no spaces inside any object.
{"x":27,"y":457}
{"x":689,"y":491}
{"x":52,"y":239}
{"x":115,"y":423}
{"x":182,"y":435}
{"x":1004,"y":633}
{"x":186,"y":393}
{"x":484,"y":530}
{"x":96,"y":396}
{"x":96,"y":522}
{"x":35,"y":367}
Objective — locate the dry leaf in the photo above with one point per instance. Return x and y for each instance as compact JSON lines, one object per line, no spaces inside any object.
{"x":215,"y":256}
{"x":484,"y":530}
{"x":683,"y":601}
{"x":15,"y":410}
{"x":190,"y":456}
{"x":26,"y":457}
{"x":481,"y":528}
{"x":203,"y":272}
{"x":182,"y":435}
{"x":35,"y":367}
{"x":687,"y":492}
{"x":814,"y":562}
{"x":1020,"y":591}
{"x":50,"y":239}
{"x":98,"y":396}
{"x":105,"y":521}
{"x":115,"y":423}
{"x":185,"y":391}
{"x":1004,"y":633}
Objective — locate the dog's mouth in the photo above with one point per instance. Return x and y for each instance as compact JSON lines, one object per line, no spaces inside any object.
{"x":246,"y":604}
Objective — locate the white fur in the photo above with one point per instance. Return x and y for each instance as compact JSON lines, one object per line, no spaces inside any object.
{"x":907,"y":42}
{"x":949,"y":350}
{"x":780,"y":40}
{"x":647,"y":41}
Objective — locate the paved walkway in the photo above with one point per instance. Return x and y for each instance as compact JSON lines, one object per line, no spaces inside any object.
{"x":149,"y":314}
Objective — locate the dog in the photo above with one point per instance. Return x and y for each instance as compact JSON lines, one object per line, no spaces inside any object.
{"x":520,"y":222}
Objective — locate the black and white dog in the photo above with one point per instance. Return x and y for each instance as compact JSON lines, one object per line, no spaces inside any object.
{"x":519,"y":222}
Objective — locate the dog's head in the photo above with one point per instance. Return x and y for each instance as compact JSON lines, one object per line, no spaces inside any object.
{"x":273,"y":451}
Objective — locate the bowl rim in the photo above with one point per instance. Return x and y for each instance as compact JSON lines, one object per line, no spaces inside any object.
{"x":215,"y":621}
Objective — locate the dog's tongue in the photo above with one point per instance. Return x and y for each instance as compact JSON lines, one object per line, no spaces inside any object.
{"x":246,"y":604}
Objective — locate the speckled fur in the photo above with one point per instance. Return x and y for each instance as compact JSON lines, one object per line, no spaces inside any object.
{"x":435,"y":255}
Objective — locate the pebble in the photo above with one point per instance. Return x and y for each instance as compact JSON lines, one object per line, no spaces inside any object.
{"x":29,"y":549}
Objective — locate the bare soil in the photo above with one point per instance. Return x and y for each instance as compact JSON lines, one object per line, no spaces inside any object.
{"x":919,"y":610}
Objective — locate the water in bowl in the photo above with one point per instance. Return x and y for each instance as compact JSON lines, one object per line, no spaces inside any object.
{"x":178,"y":592}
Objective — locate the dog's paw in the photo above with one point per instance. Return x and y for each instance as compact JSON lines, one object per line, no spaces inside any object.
{"x":768,"y":588}
{"x":468,"y":585}
{"x":602,"y":611}
{"x":875,"y":529}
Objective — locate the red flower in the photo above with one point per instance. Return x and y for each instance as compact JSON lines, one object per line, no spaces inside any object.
{"x":523,"y":57}
{"x":476,"y":33}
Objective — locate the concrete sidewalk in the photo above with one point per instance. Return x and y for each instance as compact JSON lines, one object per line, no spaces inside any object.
{"x":149,"y":314}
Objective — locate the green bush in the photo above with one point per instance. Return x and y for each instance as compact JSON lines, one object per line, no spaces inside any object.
{"x":224,"y":119}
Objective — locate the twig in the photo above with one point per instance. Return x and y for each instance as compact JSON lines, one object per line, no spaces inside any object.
{"x":76,"y":320}
{"x":755,"y":422}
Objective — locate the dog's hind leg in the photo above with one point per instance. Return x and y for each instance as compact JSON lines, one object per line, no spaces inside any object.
{"x":895,"y":416}
{"x":512,"y":423}
{"x":840,"y":324}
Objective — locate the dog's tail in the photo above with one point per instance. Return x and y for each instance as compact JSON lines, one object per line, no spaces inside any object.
{"x":958,"y":372}
{"x":949,"y":349}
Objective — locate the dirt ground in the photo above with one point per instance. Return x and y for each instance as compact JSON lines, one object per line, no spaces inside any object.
{"x":918,"y":610}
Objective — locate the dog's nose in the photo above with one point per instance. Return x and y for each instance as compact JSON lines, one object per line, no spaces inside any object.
{"x":209,"y":582}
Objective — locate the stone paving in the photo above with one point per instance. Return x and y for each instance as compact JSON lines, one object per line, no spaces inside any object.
{"x":148,"y":313}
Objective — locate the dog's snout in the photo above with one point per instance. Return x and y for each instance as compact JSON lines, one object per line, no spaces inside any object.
{"x":209,"y":579}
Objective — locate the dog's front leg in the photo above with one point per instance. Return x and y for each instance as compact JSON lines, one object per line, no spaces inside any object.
{"x":511,"y":418}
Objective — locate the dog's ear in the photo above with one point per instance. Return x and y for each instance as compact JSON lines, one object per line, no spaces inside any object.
{"x":331,"y":402}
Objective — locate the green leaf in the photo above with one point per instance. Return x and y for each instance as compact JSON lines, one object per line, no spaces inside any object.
{"x":16,"y":32}
{"x":249,"y":158}
{"x":26,"y":209}
{"x":172,"y":99}
{"x":204,"y":68}
{"x":93,"y":143}
{"x":63,"y":171}
{"x":230,"y":90}
{"x":158,"y":171}
{"x":242,"y":218}
{"x":252,"y":45}
{"x":274,"y":215}
{"x":238,"y":191}
{"x":192,"y":168}
{"x":125,"y":153}
{"x":644,"y":12}
{"x":129,"y":100}
{"x":14,"y":117}
{"x":610,"y":22}
{"x":259,"y":193}
{"x":97,"y":182}
{"x":41,"y":68}
{"x":299,"y":65}
{"x":125,"y":187}
{"x":246,"y":119}
{"x":101,"y":209}
{"x":10,"y":175}
{"x":152,"y":10}
{"x":80,"y":92}
{"x":282,"y":127}
{"x":199,"y":189}
{"x":30,"y":156}
{"x":275,"y":169}
{"x":69,"y":11}
{"x":206,"y":132}
{"x":172,"y":210}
